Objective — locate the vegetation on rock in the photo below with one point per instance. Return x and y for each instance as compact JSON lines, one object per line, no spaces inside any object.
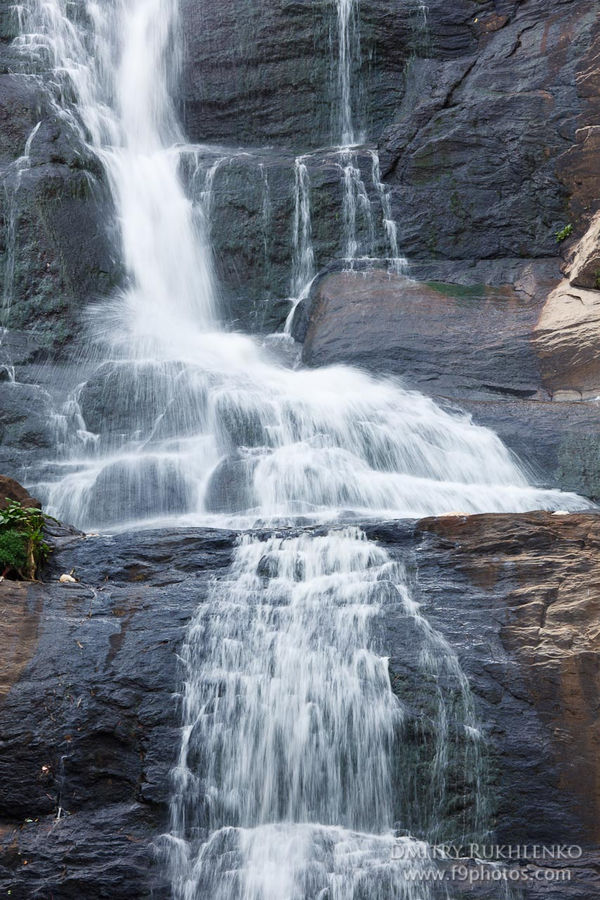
{"x":564,"y":233}
{"x":23,"y":548}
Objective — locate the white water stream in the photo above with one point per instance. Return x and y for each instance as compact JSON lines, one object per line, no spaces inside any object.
{"x":192,"y":420}
{"x":283,"y":789}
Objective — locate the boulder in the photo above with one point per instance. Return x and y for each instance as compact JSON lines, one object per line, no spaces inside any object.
{"x":450,"y":338}
{"x":230,"y":488}
{"x":12,"y":490}
{"x":25,"y":419}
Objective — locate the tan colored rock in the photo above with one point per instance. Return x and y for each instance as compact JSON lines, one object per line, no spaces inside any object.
{"x":20,"y":614}
{"x":547,"y":571}
{"x":585,"y":268}
{"x":567,"y":340}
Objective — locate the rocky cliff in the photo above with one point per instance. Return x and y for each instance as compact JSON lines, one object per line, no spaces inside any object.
{"x":90,"y":687}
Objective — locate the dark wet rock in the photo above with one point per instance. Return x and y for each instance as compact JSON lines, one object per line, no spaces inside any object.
{"x":56,"y":246}
{"x":89,"y":716}
{"x":448,"y":338}
{"x":57,"y":253}
{"x":25,"y":418}
{"x":133,"y":488}
{"x":557,"y":441}
{"x":252,"y":220}
{"x":487,"y":112}
{"x":265,"y":74}
{"x":230,"y":488}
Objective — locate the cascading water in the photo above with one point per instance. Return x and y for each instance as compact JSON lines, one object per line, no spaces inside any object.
{"x":356,"y":201}
{"x":348,"y":53}
{"x":303,"y":259}
{"x":283,"y":790}
{"x":193,"y":421}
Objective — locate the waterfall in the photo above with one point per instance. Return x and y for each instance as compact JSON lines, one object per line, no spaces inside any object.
{"x":193,"y":422}
{"x":284,"y":787}
{"x":303,"y":260}
{"x":348,"y":53}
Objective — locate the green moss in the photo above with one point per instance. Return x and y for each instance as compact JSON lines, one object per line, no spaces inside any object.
{"x":458,"y":291}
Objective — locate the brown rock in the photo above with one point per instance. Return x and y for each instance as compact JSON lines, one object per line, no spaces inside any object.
{"x":552,"y":626}
{"x":489,"y":24}
{"x":20,"y":613}
{"x":12,"y":490}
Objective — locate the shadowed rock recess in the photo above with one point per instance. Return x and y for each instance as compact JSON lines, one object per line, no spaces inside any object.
{"x":439,"y":224}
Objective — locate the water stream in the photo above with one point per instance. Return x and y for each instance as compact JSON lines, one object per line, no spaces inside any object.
{"x":283,"y":789}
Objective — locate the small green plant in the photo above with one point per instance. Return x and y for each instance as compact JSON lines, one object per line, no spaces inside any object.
{"x":564,"y":233}
{"x":23,"y":548}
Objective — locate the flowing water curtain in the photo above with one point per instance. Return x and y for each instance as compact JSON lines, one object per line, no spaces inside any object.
{"x":285,"y":785}
{"x":303,"y":255}
{"x":196,"y":422}
{"x":348,"y":86}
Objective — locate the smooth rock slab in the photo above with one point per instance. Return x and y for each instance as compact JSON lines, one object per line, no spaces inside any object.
{"x":450,"y":338}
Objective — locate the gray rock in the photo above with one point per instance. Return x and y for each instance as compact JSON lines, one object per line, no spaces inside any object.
{"x":448,"y":338}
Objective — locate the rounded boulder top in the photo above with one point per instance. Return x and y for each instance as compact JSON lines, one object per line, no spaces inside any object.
{"x":12,"y":490}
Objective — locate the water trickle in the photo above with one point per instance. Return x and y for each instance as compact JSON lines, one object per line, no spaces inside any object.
{"x":398,"y":263}
{"x":348,"y":58}
{"x":303,"y":256}
{"x":356,"y":206}
{"x":12,"y":179}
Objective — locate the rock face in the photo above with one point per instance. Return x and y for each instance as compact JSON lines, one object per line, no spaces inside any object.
{"x":452,"y":339}
{"x":57,"y":253}
{"x":548,"y":632}
{"x":487,"y":112}
{"x":86,"y":770}
{"x":265,"y":74}
{"x":89,"y":715}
